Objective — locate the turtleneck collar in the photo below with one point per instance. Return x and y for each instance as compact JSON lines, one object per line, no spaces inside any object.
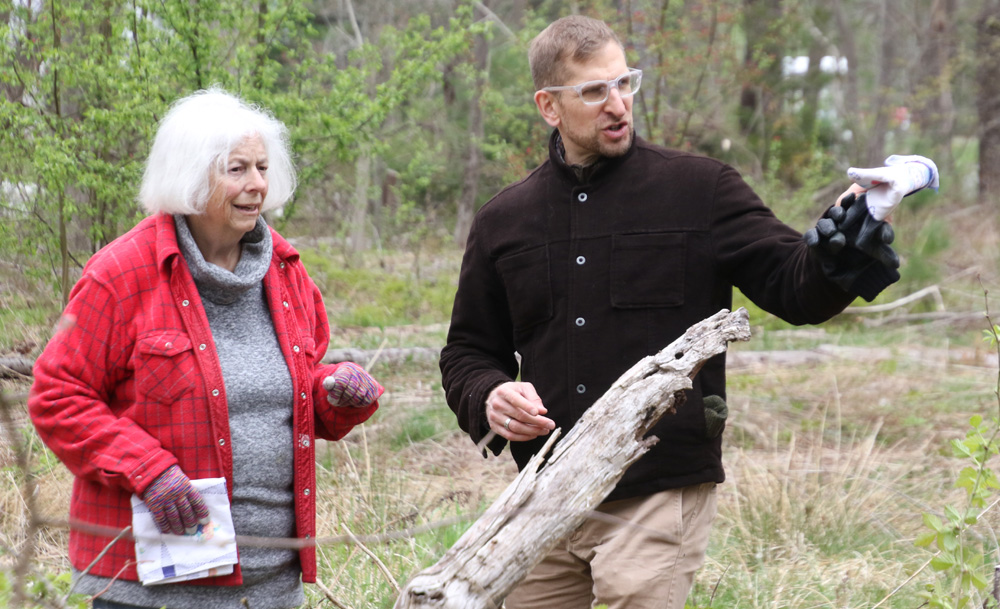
{"x":220,"y":285}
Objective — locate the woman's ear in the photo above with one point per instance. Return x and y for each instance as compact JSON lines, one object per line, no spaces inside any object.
{"x":548,"y":107}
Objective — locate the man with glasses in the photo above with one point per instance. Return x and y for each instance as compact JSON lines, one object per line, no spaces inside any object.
{"x":604,"y":254}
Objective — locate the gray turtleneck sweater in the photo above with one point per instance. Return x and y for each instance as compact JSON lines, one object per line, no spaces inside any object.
{"x":259,"y":394}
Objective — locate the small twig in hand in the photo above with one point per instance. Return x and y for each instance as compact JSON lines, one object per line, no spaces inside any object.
{"x":481,"y":446}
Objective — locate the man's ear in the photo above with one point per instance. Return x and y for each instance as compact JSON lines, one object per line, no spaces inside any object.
{"x":548,"y":107}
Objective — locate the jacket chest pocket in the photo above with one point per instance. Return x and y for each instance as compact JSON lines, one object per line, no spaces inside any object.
{"x":165,"y":366}
{"x":526,"y":277}
{"x":647,"y":270}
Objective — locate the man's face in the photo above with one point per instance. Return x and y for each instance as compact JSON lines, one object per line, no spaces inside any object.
{"x":591,"y":131}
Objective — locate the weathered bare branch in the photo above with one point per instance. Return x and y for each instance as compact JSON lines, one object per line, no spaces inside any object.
{"x":544,"y":505}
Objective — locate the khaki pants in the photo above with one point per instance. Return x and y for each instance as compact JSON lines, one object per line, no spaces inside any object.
{"x":636,"y":553}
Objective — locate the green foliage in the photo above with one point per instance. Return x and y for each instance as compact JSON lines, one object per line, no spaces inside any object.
{"x":959,"y":552}
{"x":378,"y":296}
{"x":43,"y":591}
{"x":85,"y":86}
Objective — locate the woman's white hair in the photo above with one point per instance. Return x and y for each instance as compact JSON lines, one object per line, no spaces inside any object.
{"x":195,"y":138}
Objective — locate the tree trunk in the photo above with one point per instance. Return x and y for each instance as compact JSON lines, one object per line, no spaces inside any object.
{"x":759,"y":98}
{"x":988,"y":51}
{"x":474,"y":158}
{"x":882,"y":107}
{"x":542,"y":507}
{"x":935,"y":116}
{"x":850,"y":113}
{"x":358,"y":229}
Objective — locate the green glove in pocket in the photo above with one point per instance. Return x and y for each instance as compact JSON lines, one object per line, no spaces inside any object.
{"x":716,"y":412}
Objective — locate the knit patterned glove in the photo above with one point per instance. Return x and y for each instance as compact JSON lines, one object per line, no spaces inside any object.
{"x":351,"y":386}
{"x":176,"y":505}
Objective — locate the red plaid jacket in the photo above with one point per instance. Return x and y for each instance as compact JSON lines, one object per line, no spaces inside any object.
{"x":130,"y":384}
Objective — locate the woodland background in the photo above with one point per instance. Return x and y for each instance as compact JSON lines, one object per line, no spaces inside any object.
{"x":848,"y":443}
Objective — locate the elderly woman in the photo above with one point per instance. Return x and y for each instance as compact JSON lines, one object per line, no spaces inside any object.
{"x":191,"y":348}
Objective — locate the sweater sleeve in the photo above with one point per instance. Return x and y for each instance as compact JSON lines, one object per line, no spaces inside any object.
{"x":479,"y":352}
{"x":76,"y":375}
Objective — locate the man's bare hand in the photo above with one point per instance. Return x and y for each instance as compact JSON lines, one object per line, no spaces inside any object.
{"x":514,"y":411}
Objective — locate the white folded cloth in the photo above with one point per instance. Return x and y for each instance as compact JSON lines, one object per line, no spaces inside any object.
{"x":902,"y":175}
{"x":206,"y":552}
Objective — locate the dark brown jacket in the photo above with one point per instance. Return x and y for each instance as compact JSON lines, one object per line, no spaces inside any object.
{"x":584,"y":279}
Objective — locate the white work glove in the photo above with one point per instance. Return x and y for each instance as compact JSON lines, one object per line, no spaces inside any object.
{"x":902,"y":175}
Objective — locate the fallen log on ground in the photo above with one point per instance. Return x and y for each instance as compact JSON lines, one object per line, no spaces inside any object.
{"x":543,"y":506}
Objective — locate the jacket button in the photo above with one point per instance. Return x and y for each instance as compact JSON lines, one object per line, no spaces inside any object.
{"x":222,"y":441}
{"x":295,"y":348}
{"x":581,"y":260}
{"x":580,"y":321}
{"x":582,"y":197}
{"x":581,"y":388}
{"x":215,"y":392}
{"x":286,"y":304}
{"x":282,"y":265}
{"x":306,"y":492}
{"x":201,"y":347}
{"x":303,"y":394}
{"x":168,"y":345}
{"x":185,"y":303}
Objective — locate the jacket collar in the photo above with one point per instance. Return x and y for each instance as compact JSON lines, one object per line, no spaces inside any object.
{"x":585,"y":175}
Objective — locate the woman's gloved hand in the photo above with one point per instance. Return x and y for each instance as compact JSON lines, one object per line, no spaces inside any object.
{"x":351,"y":386}
{"x":176,"y":504}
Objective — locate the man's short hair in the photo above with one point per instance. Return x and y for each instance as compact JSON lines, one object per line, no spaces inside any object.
{"x":575,"y":38}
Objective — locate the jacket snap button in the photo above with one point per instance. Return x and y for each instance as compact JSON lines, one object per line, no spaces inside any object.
{"x":581,"y":389}
{"x":581,"y":260}
{"x":580,"y":321}
{"x":582,"y":197}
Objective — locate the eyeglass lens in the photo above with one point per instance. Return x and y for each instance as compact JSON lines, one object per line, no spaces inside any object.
{"x":598,"y":91}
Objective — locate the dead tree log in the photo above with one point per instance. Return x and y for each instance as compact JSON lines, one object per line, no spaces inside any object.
{"x":543,"y":506}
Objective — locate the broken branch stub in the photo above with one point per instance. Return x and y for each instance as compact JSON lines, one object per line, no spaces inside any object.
{"x":543,"y":506}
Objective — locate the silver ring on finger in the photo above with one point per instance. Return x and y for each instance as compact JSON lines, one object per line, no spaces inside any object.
{"x":506,"y":424}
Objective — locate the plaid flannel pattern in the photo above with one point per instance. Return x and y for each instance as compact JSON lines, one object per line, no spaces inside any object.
{"x":130,"y":384}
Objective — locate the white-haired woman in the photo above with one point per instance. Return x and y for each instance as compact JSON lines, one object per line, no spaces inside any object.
{"x":191,"y":348}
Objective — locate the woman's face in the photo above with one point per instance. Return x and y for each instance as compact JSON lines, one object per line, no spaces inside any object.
{"x":238,"y":191}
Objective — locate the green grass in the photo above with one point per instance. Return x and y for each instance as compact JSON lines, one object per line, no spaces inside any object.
{"x":374,"y":291}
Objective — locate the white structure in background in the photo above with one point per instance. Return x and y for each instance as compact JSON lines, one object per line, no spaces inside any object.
{"x":830,"y":97}
{"x":799,"y":65}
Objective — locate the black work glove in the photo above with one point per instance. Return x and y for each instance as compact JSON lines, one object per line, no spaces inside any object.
{"x":716,"y":413}
{"x":853,"y":248}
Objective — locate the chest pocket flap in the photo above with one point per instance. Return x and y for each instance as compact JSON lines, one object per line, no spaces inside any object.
{"x":647,"y":270}
{"x":165,"y":366}
{"x":529,"y":286}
